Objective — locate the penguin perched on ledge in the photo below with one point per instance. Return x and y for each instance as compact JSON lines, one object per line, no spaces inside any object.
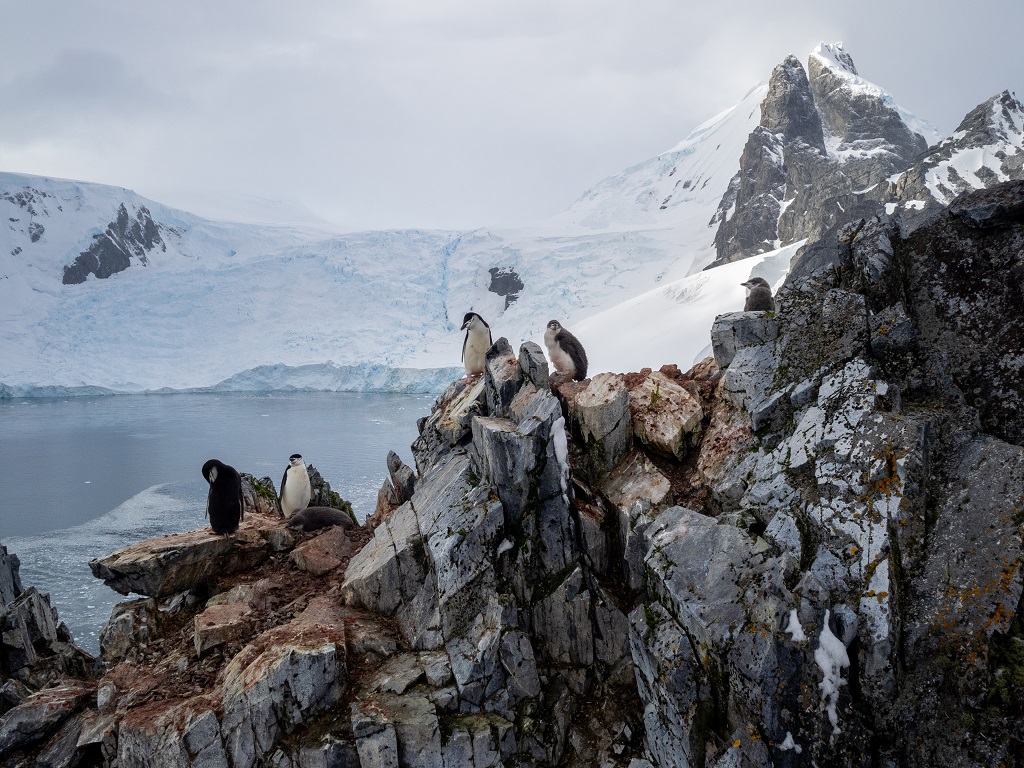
{"x":295,"y":487}
{"x":224,"y":502}
{"x":476,"y":343}
{"x":567,"y":354}
{"x":759,"y":296}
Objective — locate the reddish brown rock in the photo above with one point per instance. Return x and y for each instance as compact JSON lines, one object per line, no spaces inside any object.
{"x":665,"y":415}
{"x":323,"y":553}
{"x":219,"y":624}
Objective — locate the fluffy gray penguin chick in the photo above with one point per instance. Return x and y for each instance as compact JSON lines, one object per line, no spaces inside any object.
{"x":759,"y":296}
{"x":567,"y":354}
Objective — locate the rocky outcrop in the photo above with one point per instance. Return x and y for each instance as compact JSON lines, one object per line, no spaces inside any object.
{"x":806,"y":551}
{"x":112,"y":250}
{"x":45,"y":680}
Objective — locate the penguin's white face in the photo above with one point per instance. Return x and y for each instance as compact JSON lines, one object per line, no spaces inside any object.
{"x":295,"y":460}
{"x":555,"y":326}
{"x":212,"y":477}
{"x":473,"y":323}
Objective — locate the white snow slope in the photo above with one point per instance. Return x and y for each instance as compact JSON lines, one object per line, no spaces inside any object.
{"x":241,"y":306}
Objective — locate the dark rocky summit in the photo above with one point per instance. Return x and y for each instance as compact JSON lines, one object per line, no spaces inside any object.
{"x":805,"y":551}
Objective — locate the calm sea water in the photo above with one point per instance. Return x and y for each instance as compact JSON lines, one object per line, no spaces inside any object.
{"x":82,"y":477}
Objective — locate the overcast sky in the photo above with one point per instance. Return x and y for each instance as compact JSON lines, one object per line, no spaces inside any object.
{"x":438,"y":113}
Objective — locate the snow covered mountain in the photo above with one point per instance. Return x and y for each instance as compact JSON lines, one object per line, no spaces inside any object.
{"x":101,"y":289}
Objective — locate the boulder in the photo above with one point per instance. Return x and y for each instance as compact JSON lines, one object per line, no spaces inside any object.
{"x":324,"y":552}
{"x":599,"y":414}
{"x":402,"y":477}
{"x":284,"y":677}
{"x":39,"y":715}
{"x":10,"y":583}
{"x":665,"y":416}
{"x":181,"y":561}
{"x":219,"y":624}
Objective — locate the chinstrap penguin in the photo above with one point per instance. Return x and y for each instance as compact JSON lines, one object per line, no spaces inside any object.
{"x":295,"y":488}
{"x":567,"y":354}
{"x":315,"y":518}
{"x":759,"y":296}
{"x":476,"y":343}
{"x":224,"y":503}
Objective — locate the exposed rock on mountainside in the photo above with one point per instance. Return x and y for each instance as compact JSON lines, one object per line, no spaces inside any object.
{"x":112,"y":250}
{"x":820,"y":139}
{"x":831,"y":147}
{"x":806,"y":551}
{"x":987,"y":148}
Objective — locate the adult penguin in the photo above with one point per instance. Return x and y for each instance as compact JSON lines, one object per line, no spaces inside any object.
{"x":476,"y":343}
{"x":224,"y":504}
{"x":567,"y":354}
{"x":295,"y":488}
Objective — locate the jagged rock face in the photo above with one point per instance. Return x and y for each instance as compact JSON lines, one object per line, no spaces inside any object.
{"x":965,"y":278}
{"x":112,"y":251}
{"x":789,"y":107}
{"x":880,"y":479}
{"x":10,"y":581}
{"x":987,"y":148}
{"x":823,"y":140}
{"x":863,"y":129}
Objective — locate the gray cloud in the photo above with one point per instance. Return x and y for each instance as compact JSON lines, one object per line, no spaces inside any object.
{"x":443,"y":114}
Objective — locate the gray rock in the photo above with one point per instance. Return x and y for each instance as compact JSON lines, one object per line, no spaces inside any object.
{"x":449,"y":421}
{"x":599,"y":414}
{"x":402,"y":477}
{"x":734,"y":331}
{"x":533,"y":365}
{"x":10,"y":583}
{"x":502,"y":377}
{"x":39,"y":715}
{"x":132,"y":625}
{"x":61,"y":751}
{"x":178,"y":562}
{"x":292,"y":673}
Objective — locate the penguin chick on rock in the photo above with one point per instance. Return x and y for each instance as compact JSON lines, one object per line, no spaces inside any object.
{"x":295,"y":488}
{"x":476,"y":343}
{"x":567,"y":354}
{"x":759,"y":296}
{"x":224,"y":503}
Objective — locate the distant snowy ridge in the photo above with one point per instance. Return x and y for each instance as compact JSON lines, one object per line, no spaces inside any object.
{"x":322,"y":377}
{"x":105,"y":291}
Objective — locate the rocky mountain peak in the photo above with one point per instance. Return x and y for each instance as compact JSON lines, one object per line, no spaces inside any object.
{"x":788,"y":109}
{"x":831,"y":56}
{"x":986,"y":149}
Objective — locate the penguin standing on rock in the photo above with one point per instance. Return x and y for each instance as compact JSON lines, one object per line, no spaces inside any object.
{"x":567,"y":354}
{"x":476,"y":343}
{"x":295,"y":488}
{"x":759,"y":296}
{"x":224,"y":502}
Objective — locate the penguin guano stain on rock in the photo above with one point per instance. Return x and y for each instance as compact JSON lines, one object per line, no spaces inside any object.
{"x":826,"y":568}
